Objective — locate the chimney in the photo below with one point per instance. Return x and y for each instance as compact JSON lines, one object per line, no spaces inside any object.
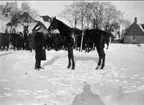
{"x":135,"y":19}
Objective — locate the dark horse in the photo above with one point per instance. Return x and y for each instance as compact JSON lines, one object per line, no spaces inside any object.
{"x":99,"y":38}
{"x":68,"y":33}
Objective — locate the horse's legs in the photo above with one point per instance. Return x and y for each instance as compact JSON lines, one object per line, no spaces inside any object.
{"x":72,"y":58}
{"x":107,"y":41}
{"x":7,"y":46}
{"x":14,"y":47}
{"x":99,"y":62}
{"x":69,"y":57}
{"x":103,"y":59}
{"x":100,"y":58}
{"x":107,"y":45}
{"x":102,"y":53}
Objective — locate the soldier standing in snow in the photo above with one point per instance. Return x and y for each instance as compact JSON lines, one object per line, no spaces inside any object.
{"x":40,"y":46}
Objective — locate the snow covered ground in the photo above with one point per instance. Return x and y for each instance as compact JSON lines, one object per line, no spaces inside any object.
{"x":120,"y":83}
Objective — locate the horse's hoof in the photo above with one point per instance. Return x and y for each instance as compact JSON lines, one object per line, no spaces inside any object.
{"x":101,"y":68}
{"x":36,"y":68}
{"x":73,"y":68}
{"x":97,"y":68}
{"x":68,"y":67}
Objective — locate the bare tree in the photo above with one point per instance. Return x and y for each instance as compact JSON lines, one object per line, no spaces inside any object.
{"x":25,"y":7}
{"x":10,"y":10}
{"x":71,"y":14}
{"x":7,"y":8}
{"x":82,"y":10}
{"x":1,"y":9}
{"x":102,"y":15}
{"x":110,"y":16}
{"x":88,"y":14}
{"x":124,"y":25}
{"x":97,"y":14}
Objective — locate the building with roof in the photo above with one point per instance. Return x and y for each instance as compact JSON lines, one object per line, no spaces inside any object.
{"x":134,"y":34}
{"x":40,"y":27}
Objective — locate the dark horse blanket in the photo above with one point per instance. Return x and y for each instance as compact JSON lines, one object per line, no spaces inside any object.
{"x":98,"y":36}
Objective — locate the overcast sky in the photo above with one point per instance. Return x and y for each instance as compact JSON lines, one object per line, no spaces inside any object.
{"x":131,"y":9}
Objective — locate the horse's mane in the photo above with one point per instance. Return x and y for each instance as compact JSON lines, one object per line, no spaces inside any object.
{"x":65,"y":30}
{"x":63,"y":25}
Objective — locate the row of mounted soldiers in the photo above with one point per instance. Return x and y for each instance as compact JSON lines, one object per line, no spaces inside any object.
{"x":25,"y":41}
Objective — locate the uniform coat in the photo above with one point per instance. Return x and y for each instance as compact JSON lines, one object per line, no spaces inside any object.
{"x":31,"y":41}
{"x":40,"y":46}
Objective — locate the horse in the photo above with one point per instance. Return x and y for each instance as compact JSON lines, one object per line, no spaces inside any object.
{"x":69,"y":34}
{"x":99,"y":38}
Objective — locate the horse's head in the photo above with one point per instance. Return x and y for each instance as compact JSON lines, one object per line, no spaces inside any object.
{"x":53,"y":24}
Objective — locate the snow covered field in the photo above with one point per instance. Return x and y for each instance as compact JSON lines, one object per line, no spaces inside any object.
{"x":120,"y":83}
